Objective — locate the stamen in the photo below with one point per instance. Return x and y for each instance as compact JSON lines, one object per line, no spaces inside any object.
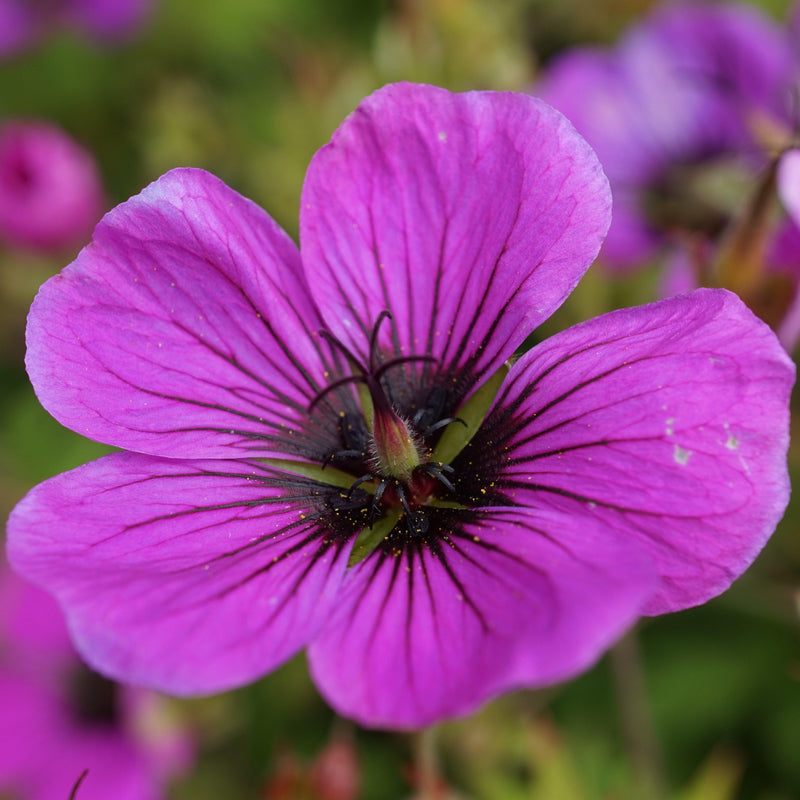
{"x":436,"y":471}
{"x":376,"y":502}
{"x":373,"y":339}
{"x":379,"y":373}
{"x":403,"y":501}
{"x":363,"y":479}
{"x":343,"y":454}
{"x":342,"y":348}
{"x":442,"y":423}
{"x":335,"y":385}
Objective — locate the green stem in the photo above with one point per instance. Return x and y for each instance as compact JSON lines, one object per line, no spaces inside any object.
{"x":426,"y":765}
{"x":637,"y":723}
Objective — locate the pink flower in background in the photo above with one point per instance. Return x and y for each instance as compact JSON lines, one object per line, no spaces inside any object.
{"x":59,"y":718}
{"x":24,"y":22}
{"x":691,"y":87}
{"x":51,"y":194}
{"x":770,"y":260}
{"x":330,"y":450}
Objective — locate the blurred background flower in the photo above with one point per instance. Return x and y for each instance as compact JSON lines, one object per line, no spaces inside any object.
{"x":51,"y":193}
{"x":24,"y":22}
{"x":60,"y":718}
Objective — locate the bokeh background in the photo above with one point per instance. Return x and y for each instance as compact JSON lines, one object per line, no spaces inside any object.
{"x":701,"y":705}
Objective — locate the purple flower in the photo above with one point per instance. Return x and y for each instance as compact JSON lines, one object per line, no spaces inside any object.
{"x":762,"y":255}
{"x":24,"y":22}
{"x":333,"y":453}
{"x":51,"y":195}
{"x":60,"y":719}
{"x":693,"y":84}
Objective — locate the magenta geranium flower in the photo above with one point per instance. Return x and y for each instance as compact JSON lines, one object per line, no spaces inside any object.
{"x":691,"y":88}
{"x":51,"y":194}
{"x":24,"y":22}
{"x":60,"y":719}
{"x":333,"y":452}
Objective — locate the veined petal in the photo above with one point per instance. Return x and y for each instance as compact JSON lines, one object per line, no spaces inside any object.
{"x":469,"y":217}
{"x":668,"y":423}
{"x":508,"y":600}
{"x":186,"y":576}
{"x":184,"y":329}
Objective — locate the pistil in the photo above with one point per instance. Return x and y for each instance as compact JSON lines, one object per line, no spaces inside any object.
{"x":393,"y":445}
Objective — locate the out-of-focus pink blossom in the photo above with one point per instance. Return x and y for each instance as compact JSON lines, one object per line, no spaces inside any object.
{"x":59,"y":719}
{"x":692,"y":87}
{"x":25,"y":22}
{"x":51,"y":193}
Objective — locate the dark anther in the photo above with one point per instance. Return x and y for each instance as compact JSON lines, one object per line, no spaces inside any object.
{"x":442,"y":423}
{"x":403,"y":501}
{"x":416,"y":521}
{"x":354,"y":432}
{"x":342,"y":454}
{"x":355,"y":437}
{"x":437,"y":470}
{"x":429,"y":418}
{"x":432,"y":409}
{"x":363,"y":479}
{"x":376,"y":502}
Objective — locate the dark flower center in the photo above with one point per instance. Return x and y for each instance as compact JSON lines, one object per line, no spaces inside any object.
{"x":698,"y":196}
{"x":93,"y":698}
{"x":390,"y":456}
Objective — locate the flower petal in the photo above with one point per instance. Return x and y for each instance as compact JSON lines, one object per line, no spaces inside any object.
{"x":667,"y":422}
{"x":190,"y":577}
{"x":184,"y":329}
{"x":734,"y":54}
{"x":30,"y":726}
{"x":116,"y":769}
{"x":789,"y":183}
{"x":32,"y":631}
{"x":509,"y":599}
{"x":593,"y":89}
{"x":469,"y":217}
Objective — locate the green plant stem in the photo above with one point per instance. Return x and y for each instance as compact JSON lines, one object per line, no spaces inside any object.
{"x":634,"y":710}
{"x":426,"y":765}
